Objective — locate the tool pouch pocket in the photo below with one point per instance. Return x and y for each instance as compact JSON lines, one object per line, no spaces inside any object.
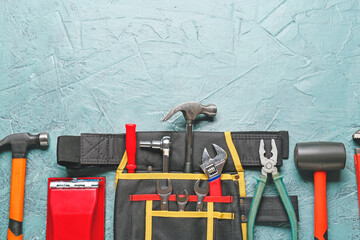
{"x":137,"y":206}
{"x":138,"y":215}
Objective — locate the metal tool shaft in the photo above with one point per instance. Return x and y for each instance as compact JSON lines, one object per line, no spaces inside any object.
{"x":164,"y":145}
{"x":166,"y":162}
{"x":189,"y":147}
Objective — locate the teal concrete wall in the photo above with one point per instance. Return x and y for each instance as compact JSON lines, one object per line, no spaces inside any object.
{"x":70,"y":67}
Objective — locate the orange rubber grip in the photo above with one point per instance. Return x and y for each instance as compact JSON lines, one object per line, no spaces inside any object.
{"x":17,"y":190}
{"x":320,"y":209}
{"x":11,"y":236}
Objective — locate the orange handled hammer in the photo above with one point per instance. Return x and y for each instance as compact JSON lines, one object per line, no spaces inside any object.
{"x":19,"y":144}
{"x":320,"y":157}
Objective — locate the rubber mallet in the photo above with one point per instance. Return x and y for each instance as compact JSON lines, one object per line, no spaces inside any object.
{"x":320,"y":157}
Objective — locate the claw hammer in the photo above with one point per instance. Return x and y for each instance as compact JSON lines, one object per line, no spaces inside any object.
{"x":190,"y":111}
{"x":19,"y":144}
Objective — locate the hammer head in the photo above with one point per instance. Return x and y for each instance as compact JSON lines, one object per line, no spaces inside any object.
{"x":320,"y":156}
{"x":20,"y":143}
{"x":191,"y":110}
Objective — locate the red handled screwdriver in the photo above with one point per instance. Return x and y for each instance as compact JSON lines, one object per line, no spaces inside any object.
{"x":130,"y":147}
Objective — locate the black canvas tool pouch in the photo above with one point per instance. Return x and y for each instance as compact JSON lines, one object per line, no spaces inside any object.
{"x":137,"y":206}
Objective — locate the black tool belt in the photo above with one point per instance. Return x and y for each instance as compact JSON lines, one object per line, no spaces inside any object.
{"x":108,"y":149}
{"x":137,"y":206}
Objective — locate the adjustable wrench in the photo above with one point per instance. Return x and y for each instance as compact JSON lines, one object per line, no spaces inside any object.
{"x":164,"y":193}
{"x":200,"y":193}
{"x":213,"y":167}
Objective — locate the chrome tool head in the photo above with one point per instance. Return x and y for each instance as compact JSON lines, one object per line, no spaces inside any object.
{"x":164,"y":190}
{"x":269,"y":164}
{"x":191,"y":110}
{"x":213,"y":167}
{"x":182,"y":201}
{"x":199,"y":190}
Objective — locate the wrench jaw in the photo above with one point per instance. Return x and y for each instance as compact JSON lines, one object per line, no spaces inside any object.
{"x":198,"y":189}
{"x":200,"y":194}
{"x":213,"y":167}
{"x":164,"y":193}
{"x":182,"y":201}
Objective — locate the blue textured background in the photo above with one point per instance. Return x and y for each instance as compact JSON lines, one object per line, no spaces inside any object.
{"x":69,"y":67}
